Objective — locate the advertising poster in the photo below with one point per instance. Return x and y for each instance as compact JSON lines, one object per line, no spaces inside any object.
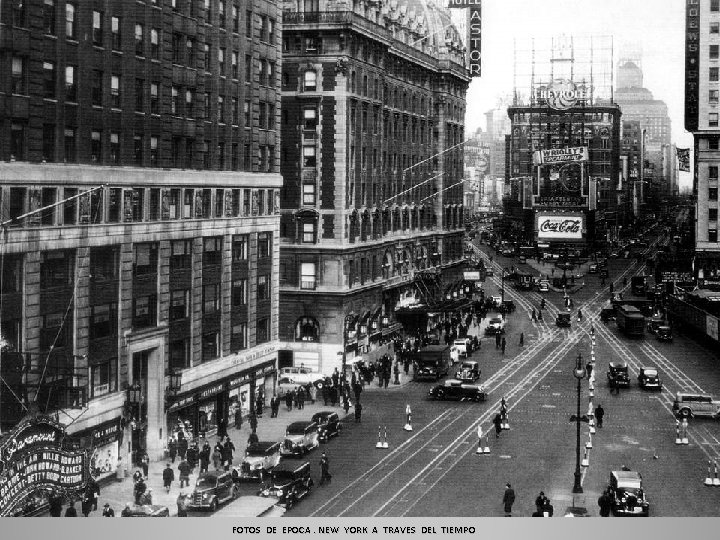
{"x":560,"y":226}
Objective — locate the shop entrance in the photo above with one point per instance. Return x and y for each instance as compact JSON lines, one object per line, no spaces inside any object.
{"x":139,"y":424}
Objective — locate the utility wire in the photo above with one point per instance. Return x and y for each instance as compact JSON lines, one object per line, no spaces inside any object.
{"x":445,"y":189}
{"x":411,"y":188}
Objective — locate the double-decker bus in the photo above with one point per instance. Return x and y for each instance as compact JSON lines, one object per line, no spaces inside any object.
{"x":630,"y":321}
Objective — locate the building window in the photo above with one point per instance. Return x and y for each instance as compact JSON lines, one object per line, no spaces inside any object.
{"x":239,"y":336}
{"x":57,"y":269}
{"x":306,"y":329}
{"x":210,"y":346}
{"x":180,"y":251}
{"x":308,"y":194}
{"x":712,"y":235}
{"x":713,"y":194}
{"x":307,"y":276}
{"x":239,"y":292}
{"x":49,"y":80}
{"x":177,"y":52}
{"x":263,"y":287}
{"x":49,"y":143}
{"x":70,"y":147}
{"x":212,"y":251}
{"x":19,"y":76}
{"x":263,"y":330}
{"x":49,"y":16}
{"x":248,"y":69}
{"x":714,"y":5}
{"x":144,"y":311}
{"x":139,"y":40}
{"x":179,"y":354}
{"x":713,"y":172}
{"x":221,"y":111}
{"x":309,"y":157}
{"x":308,"y":232}
{"x":70,"y":84}
{"x":138,"y":147}
{"x":211,"y":298}
{"x":249,"y":24}
{"x":264,"y":245}
{"x":145,"y":259}
{"x":712,"y":214}
{"x":96,"y":146}
{"x":713,"y":119}
{"x":140,"y":95}
{"x":262,"y":115}
{"x":115,"y":148}
{"x":103,"y":321}
{"x":154,"y":98}
{"x":190,"y":52}
{"x":96,"y":87}
{"x":309,"y":81}
{"x":97,"y":28}
{"x":179,"y":304}
{"x":221,"y":13}
{"x":714,"y":28}
{"x":155,"y":43}
{"x":104,"y":263}
{"x":240,"y":248}
{"x":115,"y":91}
{"x":12,"y":277}
{"x":115,"y":31}
{"x":70,"y":22}
{"x":310,"y":118}
{"x":104,"y":377}
{"x":714,"y":74}
{"x":714,"y":96}
{"x":174,"y":100}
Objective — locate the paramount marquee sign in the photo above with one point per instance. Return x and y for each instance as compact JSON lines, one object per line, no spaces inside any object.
{"x":560,"y":226}
{"x":552,"y":156}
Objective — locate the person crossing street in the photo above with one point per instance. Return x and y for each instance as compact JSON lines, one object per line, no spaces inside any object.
{"x":325,"y":469}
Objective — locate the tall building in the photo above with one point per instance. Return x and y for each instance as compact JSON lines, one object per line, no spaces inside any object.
{"x":372,"y":200}
{"x":702,"y":96}
{"x":140,"y":217}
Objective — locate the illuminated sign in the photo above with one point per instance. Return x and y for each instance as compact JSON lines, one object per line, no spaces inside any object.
{"x":560,"y":201}
{"x":563,"y":94}
{"x":471,"y":276}
{"x":561,"y":155}
{"x":560,"y":226}
{"x":692,"y":63}
{"x":474,"y":39}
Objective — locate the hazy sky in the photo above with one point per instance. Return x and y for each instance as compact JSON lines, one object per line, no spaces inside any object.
{"x":656,"y":26}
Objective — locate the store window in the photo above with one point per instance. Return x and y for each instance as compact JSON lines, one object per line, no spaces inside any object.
{"x":104,"y":378}
{"x":307,"y":329}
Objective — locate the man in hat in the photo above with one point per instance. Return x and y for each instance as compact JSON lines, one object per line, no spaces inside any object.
{"x":508,"y":499}
{"x":182,"y":505}
{"x":108,"y":511}
{"x":127,"y":512}
{"x":168,"y":477}
{"x":325,"y":469}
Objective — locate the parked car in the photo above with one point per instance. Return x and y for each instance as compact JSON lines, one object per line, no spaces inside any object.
{"x":300,"y":438}
{"x":649,"y":378}
{"x":148,"y":510}
{"x":496,"y":325}
{"x":664,"y":333}
{"x":454,"y":389}
{"x":508,"y":306}
{"x":468,"y":371}
{"x":544,"y":286}
{"x":654,"y":324}
{"x":286,"y":385}
{"x":328,"y":424}
{"x":617,"y":374}
{"x":496,"y":301}
{"x":627,"y":496}
{"x":593,"y":268}
{"x":302,"y":375}
{"x":260,"y":458}
{"x":489,"y":272}
{"x":563,"y":320}
{"x":687,"y":405}
{"x":212,"y":489}
{"x":289,"y":482}
{"x":462,"y":345}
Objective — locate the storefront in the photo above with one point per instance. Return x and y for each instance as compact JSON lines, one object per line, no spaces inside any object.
{"x":35,"y":461}
{"x":102,"y":444}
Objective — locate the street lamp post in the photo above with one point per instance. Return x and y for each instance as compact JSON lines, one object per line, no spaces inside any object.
{"x":579,"y":375}
{"x":348,"y":318}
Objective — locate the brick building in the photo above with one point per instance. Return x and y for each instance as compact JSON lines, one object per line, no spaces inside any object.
{"x":373,"y":101}
{"x":145,"y":292}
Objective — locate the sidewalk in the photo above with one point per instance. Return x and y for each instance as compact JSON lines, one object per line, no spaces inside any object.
{"x":119,"y":493}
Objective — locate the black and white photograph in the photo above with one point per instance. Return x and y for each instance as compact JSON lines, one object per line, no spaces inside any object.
{"x":319,"y":259}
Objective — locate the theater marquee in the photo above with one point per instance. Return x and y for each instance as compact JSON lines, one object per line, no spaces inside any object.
{"x":560,"y":226}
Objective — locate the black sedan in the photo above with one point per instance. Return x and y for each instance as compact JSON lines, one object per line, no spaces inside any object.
{"x":328,"y":424}
{"x":454,"y":389}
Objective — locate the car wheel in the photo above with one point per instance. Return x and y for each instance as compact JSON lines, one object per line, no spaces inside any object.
{"x":685,"y":413}
{"x":214,"y":506}
{"x":441,"y":394}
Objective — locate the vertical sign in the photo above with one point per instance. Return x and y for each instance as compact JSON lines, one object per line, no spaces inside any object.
{"x":692,"y":63}
{"x":474,"y":32}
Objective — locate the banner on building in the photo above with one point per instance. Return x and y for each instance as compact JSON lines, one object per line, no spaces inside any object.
{"x":683,"y":155}
{"x":560,"y":226}
{"x":560,"y":155}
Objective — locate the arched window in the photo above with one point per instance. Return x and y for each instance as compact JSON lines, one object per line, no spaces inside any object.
{"x":307,"y":329}
{"x":310,"y":80}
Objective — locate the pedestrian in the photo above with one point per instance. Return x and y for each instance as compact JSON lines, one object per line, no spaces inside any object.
{"x":172,"y":449}
{"x":548,"y":510}
{"x":137,"y":476}
{"x":497,"y":340}
{"x":146,"y":497}
{"x":108,"y":511}
{"x":540,"y":501}
{"x":94,"y":489}
{"x":184,"y":469}
{"x":217,"y":457}
{"x":238,"y":417}
{"x":274,"y":406}
{"x":86,"y":504}
{"x":126,"y":512}
{"x":55,"y":502}
{"x":289,"y":400}
{"x":182,"y":445}
{"x":532,"y":315}
{"x":259,"y":405}
{"x":358,"y":412}
{"x":145,"y":462}
{"x":139,"y":489}
{"x":205,"y":457}
{"x":71,"y":511}
{"x":301,"y":398}
{"x":253,"y":439}
{"x":168,"y":477}
{"x":182,"y":505}
{"x":604,"y":504}
{"x":522,"y":339}
{"x":497,"y":422}
{"x":192,"y":456}
{"x":503,"y":343}
{"x":599,"y":414}
{"x":508,"y":499}
{"x":227,"y":453}
{"x":253,"y":422}
{"x":346,"y":402}
{"x":325,"y":469}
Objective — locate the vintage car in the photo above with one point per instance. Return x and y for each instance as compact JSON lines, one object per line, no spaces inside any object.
{"x":302,"y":375}
{"x":607,"y":314}
{"x":664,"y":333}
{"x":147,"y":510}
{"x":593,"y":268}
{"x":496,"y":325}
{"x":289,"y":482}
{"x":627,"y":497}
{"x":507,"y":306}
{"x":286,"y":385}
{"x":489,"y":272}
{"x":260,"y":458}
{"x":455,"y":389}
{"x":654,"y":324}
{"x":522,"y":259}
{"x":649,"y":378}
{"x":687,"y":405}
{"x":300,"y":438}
{"x":563,"y":320}
{"x":617,"y":375}
{"x":328,"y":424}
{"x":212,"y":489}
{"x":496,"y":301}
{"x":468,"y":371}
{"x":544,"y":286}
{"x":604,"y":273}
{"x":462,"y":346}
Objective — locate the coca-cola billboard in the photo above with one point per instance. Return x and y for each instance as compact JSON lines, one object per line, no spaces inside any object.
{"x":560,"y":226}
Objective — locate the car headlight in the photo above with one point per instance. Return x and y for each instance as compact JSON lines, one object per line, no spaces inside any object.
{"x":204,"y":496}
